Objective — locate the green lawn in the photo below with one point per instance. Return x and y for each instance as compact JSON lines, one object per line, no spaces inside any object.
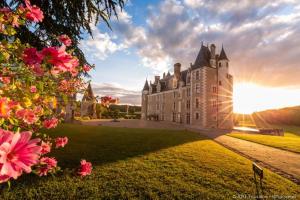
{"x":146,"y":164}
{"x":290,"y":141}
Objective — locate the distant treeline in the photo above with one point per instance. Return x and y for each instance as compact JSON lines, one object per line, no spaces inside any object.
{"x":123,"y":108}
{"x":287,"y":116}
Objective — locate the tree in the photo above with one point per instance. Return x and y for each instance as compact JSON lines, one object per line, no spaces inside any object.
{"x":70,"y":17}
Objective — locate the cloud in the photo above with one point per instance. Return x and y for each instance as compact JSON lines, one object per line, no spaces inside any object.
{"x":112,"y":89}
{"x":101,"y":45}
{"x":260,"y":37}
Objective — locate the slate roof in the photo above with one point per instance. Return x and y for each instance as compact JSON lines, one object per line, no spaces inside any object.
{"x":223,"y":55}
{"x":88,"y":94}
{"x":146,"y":86}
{"x":202,"y":58}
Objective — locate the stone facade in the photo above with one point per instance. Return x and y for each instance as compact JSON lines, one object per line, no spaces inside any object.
{"x":198,"y":96}
{"x":88,"y":103}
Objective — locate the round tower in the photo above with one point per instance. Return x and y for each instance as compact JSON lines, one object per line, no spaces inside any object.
{"x":145,"y":93}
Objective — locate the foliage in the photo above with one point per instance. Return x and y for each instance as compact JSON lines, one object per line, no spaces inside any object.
{"x":69,"y":17}
{"x":31,"y":81}
{"x":147,"y":164}
{"x":287,"y":116}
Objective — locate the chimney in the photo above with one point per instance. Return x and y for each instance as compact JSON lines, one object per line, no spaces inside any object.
{"x":213,"y":51}
{"x":177,"y":67}
{"x":164,"y":75}
{"x":156,"y":79}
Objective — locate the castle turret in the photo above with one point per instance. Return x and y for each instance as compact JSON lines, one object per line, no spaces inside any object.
{"x":177,"y":70}
{"x":225,"y":89}
{"x":145,"y":93}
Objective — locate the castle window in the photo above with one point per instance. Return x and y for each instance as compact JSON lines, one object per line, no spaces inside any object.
{"x":197,"y":75}
{"x":220,"y":82}
{"x":198,"y":88}
{"x":188,"y":104}
{"x":214,"y":103}
{"x":188,"y":92}
{"x":214,"y":89}
{"x":197,"y":103}
{"x":219,"y":64}
{"x":197,"y":115}
{"x":174,"y":106}
{"x":174,"y":94}
{"x":226,"y":64}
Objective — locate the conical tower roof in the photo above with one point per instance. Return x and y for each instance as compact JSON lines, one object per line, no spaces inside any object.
{"x":146,"y":86}
{"x":88,"y":94}
{"x":223,"y":55}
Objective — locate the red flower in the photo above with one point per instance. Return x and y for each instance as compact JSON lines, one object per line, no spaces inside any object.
{"x":86,"y":68}
{"x":61,"y":141}
{"x":27,"y":115}
{"x":50,"y":123}
{"x":34,"y":13}
{"x":65,"y":40}
{"x":5,"y":80}
{"x":85,"y":168}
{"x":47,"y":165}
{"x":31,"y":56}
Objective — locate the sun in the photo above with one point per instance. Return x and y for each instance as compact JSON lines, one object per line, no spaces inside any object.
{"x":250,"y":97}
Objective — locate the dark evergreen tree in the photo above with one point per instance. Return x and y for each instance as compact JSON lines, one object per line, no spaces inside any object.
{"x":70,"y":17}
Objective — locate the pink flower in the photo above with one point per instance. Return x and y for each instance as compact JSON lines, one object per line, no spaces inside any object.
{"x":37,"y":69}
{"x":33,"y":89}
{"x":47,"y":165}
{"x":31,"y":56}
{"x":61,"y":141}
{"x":65,"y":40}
{"x":46,"y":147}
{"x":17,"y":154}
{"x":85,"y":168}
{"x":34,"y":13}
{"x":50,"y":123}
{"x":61,"y":60}
{"x":27,"y":115}
{"x":86,"y":68}
{"x":5,"y":108}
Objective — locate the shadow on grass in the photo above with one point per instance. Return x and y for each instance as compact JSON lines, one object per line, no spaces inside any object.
{"x":102,"y":145}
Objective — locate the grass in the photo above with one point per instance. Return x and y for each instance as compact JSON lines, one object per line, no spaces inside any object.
{"x":290,"y":141}
{"x":146,"y":164}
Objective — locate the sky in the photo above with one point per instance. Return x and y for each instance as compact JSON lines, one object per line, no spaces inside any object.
{"x":261,"y":40}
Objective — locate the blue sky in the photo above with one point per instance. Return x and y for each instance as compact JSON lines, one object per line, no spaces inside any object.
{"x":260,"y":38}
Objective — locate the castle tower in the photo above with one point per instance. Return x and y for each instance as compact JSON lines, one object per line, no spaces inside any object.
{"x":225,"y":90}
{"x":145,"y":93}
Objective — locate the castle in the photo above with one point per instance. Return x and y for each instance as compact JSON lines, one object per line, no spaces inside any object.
{"x":200,"y":96}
